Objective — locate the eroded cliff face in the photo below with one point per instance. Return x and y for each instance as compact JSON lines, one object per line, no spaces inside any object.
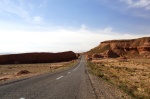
{"x":37,"y":57}
{"x":117,"y":48}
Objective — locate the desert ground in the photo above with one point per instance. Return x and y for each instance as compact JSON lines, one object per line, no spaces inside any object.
{"x":15,"y":71}
{"x":130,"y":75}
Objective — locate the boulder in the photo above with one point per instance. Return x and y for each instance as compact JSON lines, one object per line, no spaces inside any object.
{"x":23,"y":72}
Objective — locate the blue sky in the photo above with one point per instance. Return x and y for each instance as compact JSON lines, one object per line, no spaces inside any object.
{"x":62,"y":25}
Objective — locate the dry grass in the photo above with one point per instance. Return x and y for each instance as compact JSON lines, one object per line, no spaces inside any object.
{"x":132,"y":76}
{"x":10,"y":71}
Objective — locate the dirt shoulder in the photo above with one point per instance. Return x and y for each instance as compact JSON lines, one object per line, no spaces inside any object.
{"x":104,"y":90}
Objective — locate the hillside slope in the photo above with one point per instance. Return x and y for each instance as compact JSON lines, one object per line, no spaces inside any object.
{"x":115,"y":48}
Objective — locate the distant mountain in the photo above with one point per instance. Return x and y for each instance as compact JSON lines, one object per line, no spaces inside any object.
{"x":117,"y":48}
{"x":6,"y":53}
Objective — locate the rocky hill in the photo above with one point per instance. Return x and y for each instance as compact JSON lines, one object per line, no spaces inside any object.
{"x":117,"y":48}
{"x":37,"y":57}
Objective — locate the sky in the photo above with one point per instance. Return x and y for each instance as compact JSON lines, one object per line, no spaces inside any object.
{"x":64,"y":25}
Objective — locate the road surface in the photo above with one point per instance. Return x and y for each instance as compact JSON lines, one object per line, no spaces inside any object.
{"x":73,"y":83}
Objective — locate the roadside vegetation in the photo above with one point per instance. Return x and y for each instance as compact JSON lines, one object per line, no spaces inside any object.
{"x":131,"y":76}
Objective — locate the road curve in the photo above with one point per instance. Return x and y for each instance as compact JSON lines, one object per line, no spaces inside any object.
{"x":73,"y":83}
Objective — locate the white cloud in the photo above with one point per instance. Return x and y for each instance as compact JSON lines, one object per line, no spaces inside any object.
{"x":138,"y":8}
{"x":10,"y":7}
{"x":61,"y":39}
{"x":37,"y":19}
{"x":83,"y":26}
{"x":20,"y":9}
{"x":138,"y":3}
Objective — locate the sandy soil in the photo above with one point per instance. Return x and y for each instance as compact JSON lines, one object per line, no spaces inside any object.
{"x":131,"y":75}
{"x":130,"y":63}
{"x":9,"y":72}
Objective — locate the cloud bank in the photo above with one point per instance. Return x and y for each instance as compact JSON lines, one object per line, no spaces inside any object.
{"x":62,"y":39}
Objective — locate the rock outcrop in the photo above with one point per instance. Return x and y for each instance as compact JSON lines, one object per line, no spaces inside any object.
{"x":117,"y":48}
{"x":110,"y":54}
{"x":37,"y":58}
{"x":97,"y":56}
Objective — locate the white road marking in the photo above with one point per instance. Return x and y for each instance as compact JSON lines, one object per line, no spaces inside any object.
{"x":22,"y":98}
{"x":68,"y":72}
{"x":77,"y":67}
{"x":74,"y":69}
{"x":59,"y":77}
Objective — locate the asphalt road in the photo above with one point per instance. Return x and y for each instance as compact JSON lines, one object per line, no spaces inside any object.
{"x":73,"y":83}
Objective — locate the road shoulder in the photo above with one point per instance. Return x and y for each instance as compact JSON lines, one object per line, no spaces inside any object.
{"x":104,"y":90}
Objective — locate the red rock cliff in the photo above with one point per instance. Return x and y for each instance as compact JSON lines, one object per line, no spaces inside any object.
{"x":131,"y":48}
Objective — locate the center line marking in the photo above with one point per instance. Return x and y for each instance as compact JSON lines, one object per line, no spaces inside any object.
{"x":74,"y":69}
{"x":59,"y":77}
{"x":68,"y":72}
